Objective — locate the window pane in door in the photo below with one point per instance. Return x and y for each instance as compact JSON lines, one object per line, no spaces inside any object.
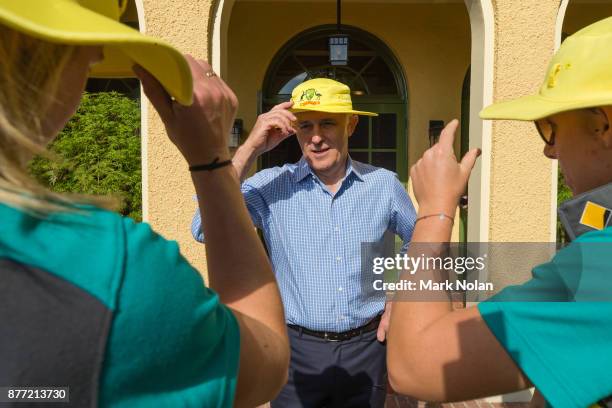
{"x":313,"y":60}
{"x":288,"y":70}
{"x":384,"y":127}
{"x":385,"y":160}
{"x":357,"y":63}
{"x":359,"y":156}
{"x":292,"y":83}
{"x":320,"y":43}
{"x":359,"y":140}
{"x":380,"y":79}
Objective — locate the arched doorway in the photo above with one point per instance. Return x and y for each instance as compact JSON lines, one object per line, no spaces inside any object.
{"x":434,"y":43}
{"x":377,"y":84}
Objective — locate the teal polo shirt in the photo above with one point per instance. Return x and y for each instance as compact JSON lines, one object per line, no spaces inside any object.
{"x":557,"y":327}
{"x":107,"y":307}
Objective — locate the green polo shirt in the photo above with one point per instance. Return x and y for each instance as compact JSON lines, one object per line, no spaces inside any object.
{"x":109,"y":308}
{"x":558,"y":326}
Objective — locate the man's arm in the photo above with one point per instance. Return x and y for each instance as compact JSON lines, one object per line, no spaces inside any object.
{"x":403,"y":214}
{"x":435,"y":353}
{"x":243,"y":160}
{"x":270,"y":129}
{"x":256,"y":207}
{"x":401,"y":223}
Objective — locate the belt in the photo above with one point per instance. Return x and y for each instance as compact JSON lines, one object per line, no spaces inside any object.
{"x":334,"y":336}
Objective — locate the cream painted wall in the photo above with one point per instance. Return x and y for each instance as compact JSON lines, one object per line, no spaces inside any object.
{"x":431,"y":42}
{"x":520,"y":174}
{"x":521,"y":184}
{"x":170,"y":204}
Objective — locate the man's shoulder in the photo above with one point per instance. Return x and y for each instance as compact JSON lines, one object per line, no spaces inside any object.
{"x":373,"y":173}
{"x":273,"y":176}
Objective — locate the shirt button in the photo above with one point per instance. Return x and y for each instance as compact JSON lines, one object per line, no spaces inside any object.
{"x":340,"y":289}
{"x":338,"y":259}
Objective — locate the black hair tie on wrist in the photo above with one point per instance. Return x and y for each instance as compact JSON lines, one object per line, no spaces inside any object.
{"x":215,"y":164}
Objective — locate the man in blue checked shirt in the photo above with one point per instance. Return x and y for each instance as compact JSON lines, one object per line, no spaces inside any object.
{"x":315,"y":214}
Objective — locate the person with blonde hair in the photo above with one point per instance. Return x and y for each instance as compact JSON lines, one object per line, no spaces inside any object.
{"x":554,"y":331}
{"x":91,"y":302}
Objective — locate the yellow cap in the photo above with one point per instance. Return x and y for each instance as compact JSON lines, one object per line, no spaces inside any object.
{"x":96,"y":22}
{"x":579,"y":76}
{"x":324,"y":95}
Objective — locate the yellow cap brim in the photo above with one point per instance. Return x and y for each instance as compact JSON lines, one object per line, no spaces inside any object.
{"x":534,"y":107}
{"x":67,"y":22}
{"x":332,"y":110}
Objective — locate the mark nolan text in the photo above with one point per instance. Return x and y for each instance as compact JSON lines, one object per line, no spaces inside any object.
{"x":407,"y":285}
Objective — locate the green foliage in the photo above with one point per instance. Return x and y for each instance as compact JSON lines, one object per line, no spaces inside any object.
{"x":99,"y":152}
{"x":563,"y":193}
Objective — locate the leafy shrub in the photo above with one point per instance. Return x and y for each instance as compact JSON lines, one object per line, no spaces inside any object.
{"x":563,"y":193}
{"x":98,"y":152}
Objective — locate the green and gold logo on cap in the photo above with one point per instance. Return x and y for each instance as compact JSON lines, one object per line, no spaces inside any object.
{"x":310,"y":97}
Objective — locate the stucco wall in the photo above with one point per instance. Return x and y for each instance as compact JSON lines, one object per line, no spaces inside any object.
{"x":521,"y":177}
{"x":431,"y":42}
{"x":184,"y":23}
{"x":520,"y":206}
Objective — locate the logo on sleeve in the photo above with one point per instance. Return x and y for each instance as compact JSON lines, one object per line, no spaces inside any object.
{"x":595,"y":216}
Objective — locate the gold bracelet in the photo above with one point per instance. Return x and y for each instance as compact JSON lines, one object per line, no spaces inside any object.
{"x":440,"y":216}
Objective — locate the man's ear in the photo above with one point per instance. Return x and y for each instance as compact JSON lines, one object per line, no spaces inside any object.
{"x":605,"y":133}
{"x":352,"y":124}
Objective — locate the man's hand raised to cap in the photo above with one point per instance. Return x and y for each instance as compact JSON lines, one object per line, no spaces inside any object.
{"x":438,"y":179}
{"x":271,"y":128}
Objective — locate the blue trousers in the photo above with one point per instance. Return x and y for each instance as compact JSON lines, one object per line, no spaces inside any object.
{"x":322,"y":373}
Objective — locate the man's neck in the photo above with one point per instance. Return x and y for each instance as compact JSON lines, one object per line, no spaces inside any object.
{"x":333,"y":177}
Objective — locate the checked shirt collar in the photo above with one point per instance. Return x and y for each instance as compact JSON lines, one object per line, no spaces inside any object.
{"x":303,"y":169}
